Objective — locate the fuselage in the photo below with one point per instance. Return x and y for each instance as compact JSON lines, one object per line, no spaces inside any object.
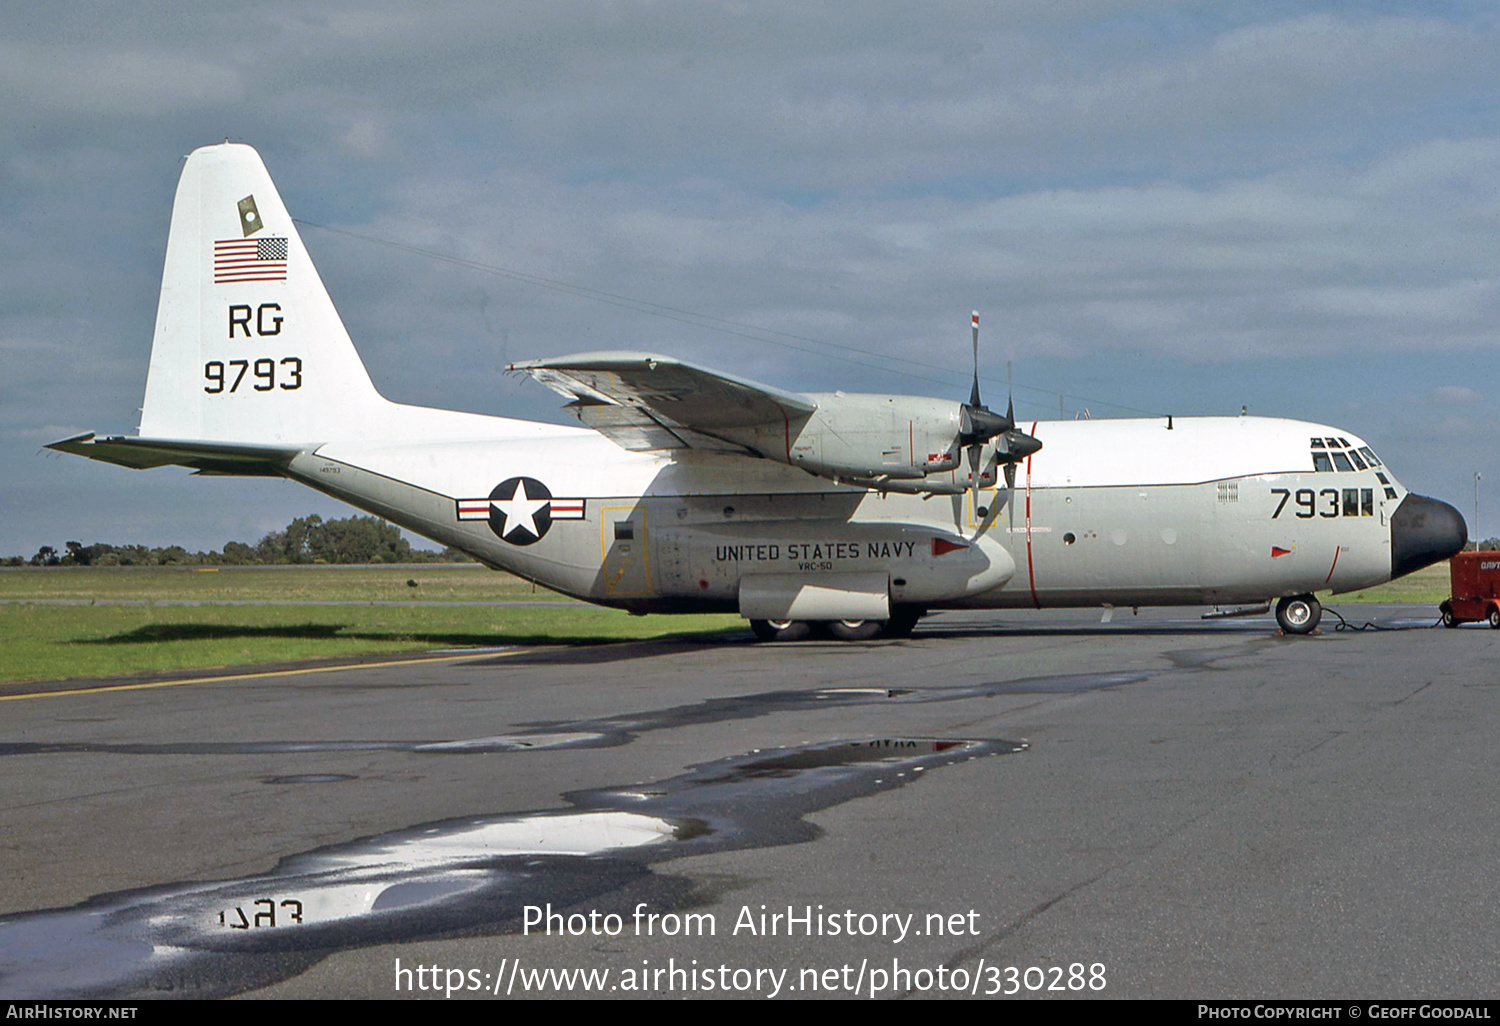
{"x":1123,"y":512}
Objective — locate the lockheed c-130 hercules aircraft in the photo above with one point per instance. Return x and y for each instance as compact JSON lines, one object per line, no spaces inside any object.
{"x":694,"y":491}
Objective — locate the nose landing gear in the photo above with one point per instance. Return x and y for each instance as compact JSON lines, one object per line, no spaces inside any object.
{"x":1298,"y":614}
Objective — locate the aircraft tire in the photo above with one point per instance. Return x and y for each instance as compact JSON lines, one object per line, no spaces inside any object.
{"x":854,"y":630}
{"x":903,"y":619}
{"x":1298,"y":614}
{"x":780,"y":630}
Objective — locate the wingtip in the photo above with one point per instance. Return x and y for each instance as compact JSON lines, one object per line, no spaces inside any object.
{"x":62,"y":444}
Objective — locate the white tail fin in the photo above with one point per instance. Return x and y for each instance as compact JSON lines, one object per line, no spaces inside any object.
{"x":248,"y":346}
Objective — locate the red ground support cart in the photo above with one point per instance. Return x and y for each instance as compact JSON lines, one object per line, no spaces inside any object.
{"x":1475,"y":580}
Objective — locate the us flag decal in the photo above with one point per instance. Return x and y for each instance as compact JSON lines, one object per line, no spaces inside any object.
{"x":249,"y":260}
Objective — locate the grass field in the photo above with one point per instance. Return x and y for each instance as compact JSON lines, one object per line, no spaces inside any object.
{"x":1426,"y":587}
{"x":436,"y":582}
{"x":62,"y":623}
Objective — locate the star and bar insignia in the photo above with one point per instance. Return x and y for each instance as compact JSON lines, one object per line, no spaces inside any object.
{"x":520,"y":510}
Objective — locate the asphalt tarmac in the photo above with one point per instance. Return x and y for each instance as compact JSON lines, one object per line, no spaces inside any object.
{"x":1006,"y":805}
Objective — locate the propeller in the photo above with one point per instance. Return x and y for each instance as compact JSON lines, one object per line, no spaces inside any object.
{"x":1010,"y":466}
{"x":1011,"y":448}
{"x":978,"y":424}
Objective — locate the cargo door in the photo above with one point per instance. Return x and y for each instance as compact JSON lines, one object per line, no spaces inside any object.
{"x":622,"y":541}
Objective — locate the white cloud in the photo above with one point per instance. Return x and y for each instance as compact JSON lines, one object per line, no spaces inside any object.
{"x":1454,"y":395}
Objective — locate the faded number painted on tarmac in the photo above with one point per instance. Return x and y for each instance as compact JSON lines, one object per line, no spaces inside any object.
{"x":236,"y":919}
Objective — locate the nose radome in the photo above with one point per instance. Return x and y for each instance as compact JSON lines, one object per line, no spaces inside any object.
{"x":1424,"y":531}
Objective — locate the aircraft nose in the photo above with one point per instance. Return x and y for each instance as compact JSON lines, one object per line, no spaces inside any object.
{"x":1424,"y":531}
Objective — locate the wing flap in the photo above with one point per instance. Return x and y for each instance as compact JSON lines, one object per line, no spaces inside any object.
{"x":633,"y":428}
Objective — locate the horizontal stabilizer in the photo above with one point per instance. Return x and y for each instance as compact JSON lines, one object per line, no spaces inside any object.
{"x":229,"y":458}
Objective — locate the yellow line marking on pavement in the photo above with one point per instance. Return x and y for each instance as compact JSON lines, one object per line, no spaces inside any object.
{"x":146,"y":685}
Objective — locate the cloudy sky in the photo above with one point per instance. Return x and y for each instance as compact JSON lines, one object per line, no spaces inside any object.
{"x":1158,"y":207}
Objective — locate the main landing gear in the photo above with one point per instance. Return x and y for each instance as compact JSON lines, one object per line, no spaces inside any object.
{"x":781,"y":630}
{"x":898,"y":626}
{"x":1298,"y":614}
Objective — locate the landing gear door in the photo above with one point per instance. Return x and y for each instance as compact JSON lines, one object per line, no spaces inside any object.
{"x":622,"y":541}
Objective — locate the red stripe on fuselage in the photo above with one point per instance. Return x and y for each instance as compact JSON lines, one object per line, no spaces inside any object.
{"x":1030,"y":570}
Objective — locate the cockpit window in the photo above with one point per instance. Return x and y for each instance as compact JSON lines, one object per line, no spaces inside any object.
{"x":1338,"y":454}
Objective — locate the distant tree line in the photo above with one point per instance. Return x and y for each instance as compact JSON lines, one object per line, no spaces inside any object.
{"x":305,"y":540}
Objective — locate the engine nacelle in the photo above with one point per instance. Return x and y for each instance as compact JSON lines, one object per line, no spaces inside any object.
{"x":865,"y":437}
{"x":879,"y":435}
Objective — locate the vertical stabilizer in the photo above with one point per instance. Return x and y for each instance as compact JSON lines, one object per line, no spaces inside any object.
{"x":248,"y":346}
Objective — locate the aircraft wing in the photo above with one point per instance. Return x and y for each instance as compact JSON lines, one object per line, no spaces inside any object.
{"x":643,"y":401}
{"x":214,"y":458}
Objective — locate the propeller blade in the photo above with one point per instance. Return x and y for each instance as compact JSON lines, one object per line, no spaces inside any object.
{"x":974,"y":392}
{"x":977,"y":422}
{"x":975,"y":451}
{"x":1010,"y":495}
{"x":1012,"y":447}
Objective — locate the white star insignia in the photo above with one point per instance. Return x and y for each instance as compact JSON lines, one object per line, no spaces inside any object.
{"x":519,"y":510}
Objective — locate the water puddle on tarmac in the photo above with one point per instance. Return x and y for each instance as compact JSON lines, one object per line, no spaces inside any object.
{"x":461,"y":877}
{"x":612,"y":731}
